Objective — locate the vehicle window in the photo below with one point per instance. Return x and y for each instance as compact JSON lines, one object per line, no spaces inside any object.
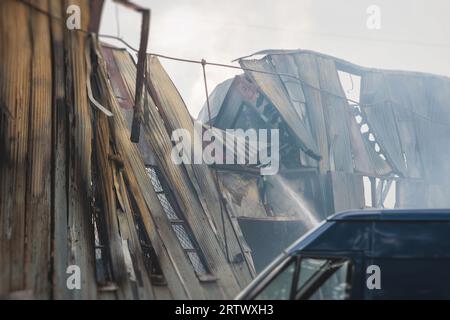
{"x":280,"y":286}
{"x":308,"y":268}
{"x":323,"y":279}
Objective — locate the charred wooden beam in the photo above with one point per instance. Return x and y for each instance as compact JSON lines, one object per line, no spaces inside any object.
{"x":140,"y":74}
{"x":142,"y":58}
{"x":96,"y":9}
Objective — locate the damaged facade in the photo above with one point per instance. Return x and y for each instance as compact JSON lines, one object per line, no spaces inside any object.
{"x":350,"y":138}
{"x":76,"y":191}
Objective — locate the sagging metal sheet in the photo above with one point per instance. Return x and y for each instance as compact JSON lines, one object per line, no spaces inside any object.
{"x":338,"y":136}
{"x":307,"y":71}
{"x":433,"y":130}
{"x":410,"y":116}
{"x":381,"y":118}
{"x":423,"y":117}
{"x":272,"y":86}
{"x":335,"y":106}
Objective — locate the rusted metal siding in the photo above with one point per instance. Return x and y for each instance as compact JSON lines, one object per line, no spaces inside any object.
{"x":191,"y":194}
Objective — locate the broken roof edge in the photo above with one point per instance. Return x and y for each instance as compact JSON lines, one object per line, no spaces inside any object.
{"x":343,"y":64}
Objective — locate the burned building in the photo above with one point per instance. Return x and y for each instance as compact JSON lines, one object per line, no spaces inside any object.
{"x":350,"y":138}
{"x":83,"y":190}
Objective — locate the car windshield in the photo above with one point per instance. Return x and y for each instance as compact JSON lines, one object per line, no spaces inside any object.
{"x":309,"y":278}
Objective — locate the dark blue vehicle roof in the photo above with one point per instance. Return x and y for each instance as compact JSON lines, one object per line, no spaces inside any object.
{"x":393,"y":215}
{"x":402,"y":233}
{"x":411,"y":247}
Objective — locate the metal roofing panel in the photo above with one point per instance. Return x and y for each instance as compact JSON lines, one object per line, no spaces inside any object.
{"x":273,"y":88}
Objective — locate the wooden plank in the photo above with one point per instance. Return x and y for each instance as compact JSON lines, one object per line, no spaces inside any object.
{"x":15,"y":68}
{"x":96,"y":10}
{"x":130,"y":237}
{"x":38,"y":200}
{"x":80,"y":229}
{"x":140,"y":74}
{"x":60,"y":158}
{"x":129,"y":271}
{"x":111,"y":209}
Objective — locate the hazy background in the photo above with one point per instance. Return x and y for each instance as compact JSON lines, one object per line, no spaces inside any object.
{"x":414,"y":34}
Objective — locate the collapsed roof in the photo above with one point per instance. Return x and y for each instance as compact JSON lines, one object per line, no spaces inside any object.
{"x":393,"y":125}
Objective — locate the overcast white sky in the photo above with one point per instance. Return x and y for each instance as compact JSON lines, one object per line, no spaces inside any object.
{"x":414,"y":34}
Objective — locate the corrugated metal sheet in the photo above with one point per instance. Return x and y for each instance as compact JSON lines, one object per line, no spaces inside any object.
{"x":201,"y":211}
